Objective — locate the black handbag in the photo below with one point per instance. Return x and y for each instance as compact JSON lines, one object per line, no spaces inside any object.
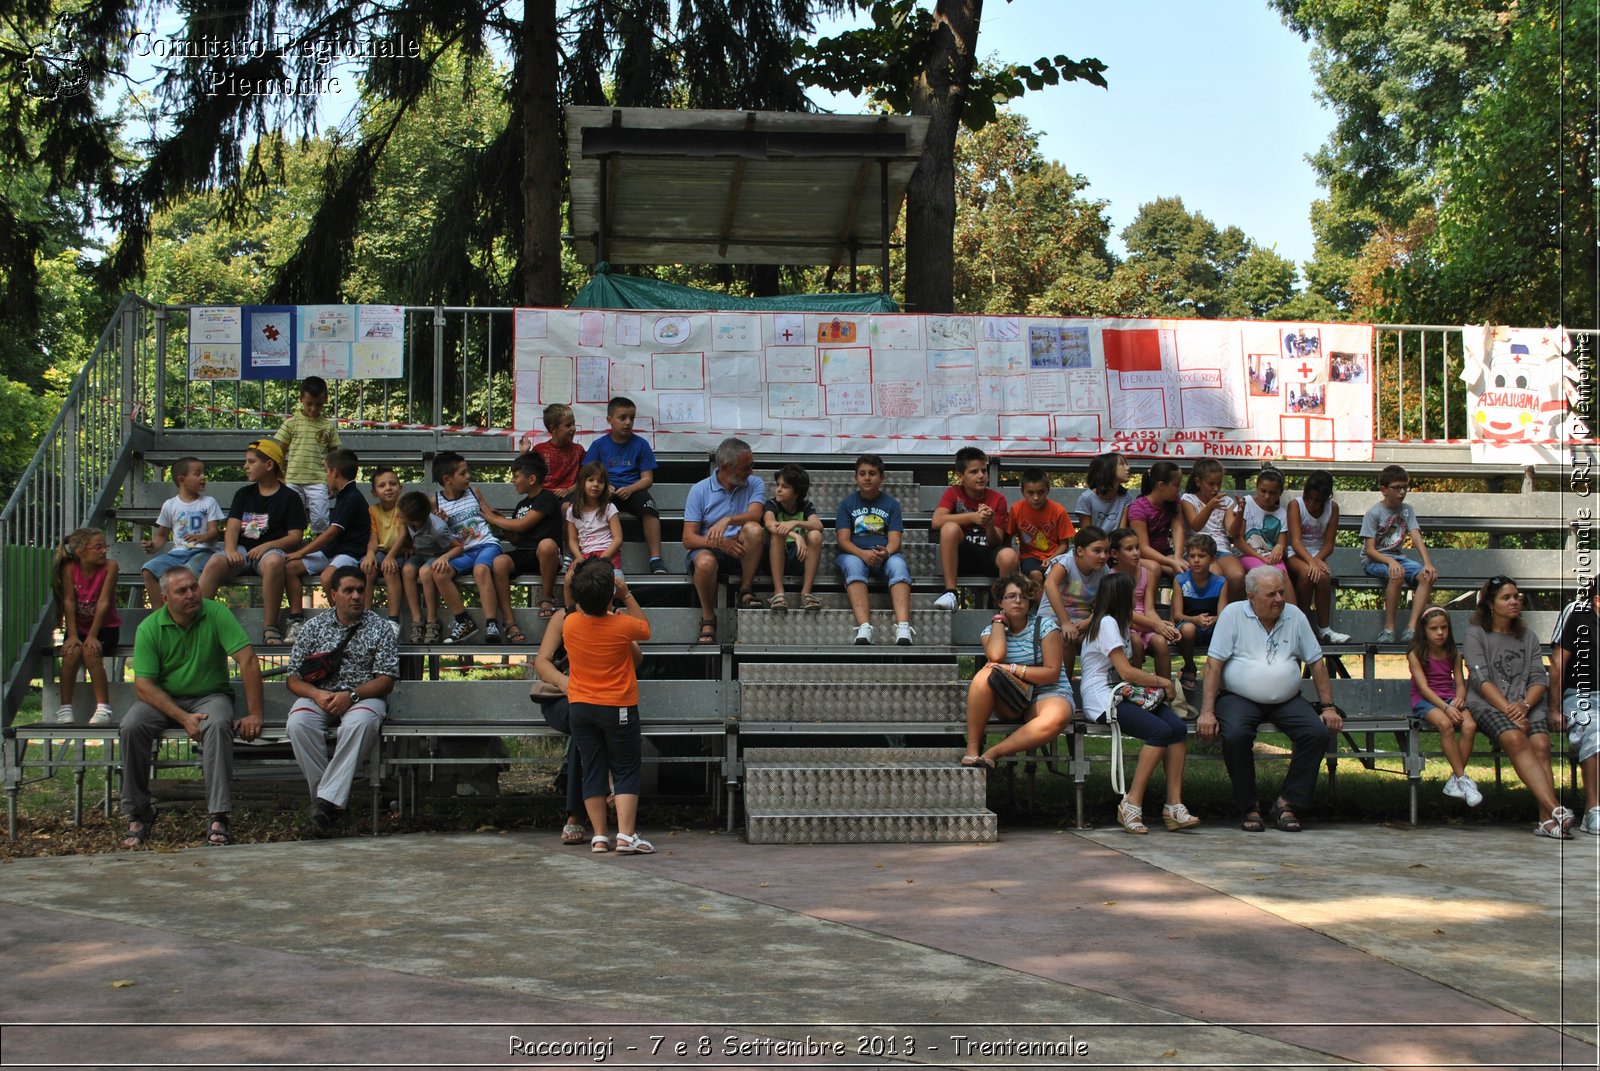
{"x":319,"y":669}
{"x":1013,"y":696}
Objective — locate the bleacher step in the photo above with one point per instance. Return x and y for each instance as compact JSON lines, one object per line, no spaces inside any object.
{"x":864,"y":795}
{"x":836,"y":628}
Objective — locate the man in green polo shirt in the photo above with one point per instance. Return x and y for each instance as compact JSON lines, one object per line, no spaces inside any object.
{"x":180,"y":673}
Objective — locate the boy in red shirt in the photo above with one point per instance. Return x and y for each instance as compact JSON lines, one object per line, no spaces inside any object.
{"x":970,"y":525}
{"x":603,"y":697}
{"x":562,"y":457}
{"x":1042,"y":526}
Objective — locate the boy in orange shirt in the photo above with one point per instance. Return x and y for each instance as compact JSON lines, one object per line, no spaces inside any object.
{"x":603,"y":697}
{"x":1043,"y":527}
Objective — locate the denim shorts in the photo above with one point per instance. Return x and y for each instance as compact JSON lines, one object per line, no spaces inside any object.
{"x":194,"y":558}
{"x":855,"y":571}
{"x":1380,"y":571}
{"x":483,"y":554}
{"x":317,"y":561}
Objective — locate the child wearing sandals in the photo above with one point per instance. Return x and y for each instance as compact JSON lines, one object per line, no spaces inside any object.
{"x":1439,"y":698}
{"x":603,"y":696}
{"x":85,"y":583}
{"x":536,"y":531}
{"x":796,"y":547}
{"x":594,"y":527}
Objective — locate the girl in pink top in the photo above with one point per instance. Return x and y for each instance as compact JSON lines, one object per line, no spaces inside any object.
{"x":85,"y":583}
{"x":1439,"y":698}
{"x":1149,"y":632}
{"x":1154,"y":519}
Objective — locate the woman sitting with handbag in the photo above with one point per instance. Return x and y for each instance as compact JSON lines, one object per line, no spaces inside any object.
{"x":1113,"y":688}
{"x":1024,"y":680}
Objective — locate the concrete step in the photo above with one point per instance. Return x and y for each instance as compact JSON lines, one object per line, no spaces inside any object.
{"x":910,"y":826}
{"x":843,"y":702}
{"x":864,"y":796}
{"x":847,"y":673}
{"x":836,"y":628}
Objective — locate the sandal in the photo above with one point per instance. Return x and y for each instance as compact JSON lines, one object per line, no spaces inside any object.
{"x":634,"y":845}
{"x":780,"y":602}
{"x":217,"y":832}
{"x":1565,"y":816}
{"x":748,"y":601}
{"x":513,"y":634}
{"x":1176,"y":816}
{"x":1187,"y":680}
{"x":981,"y":761}
{"x":573,"y":833}
{"x":1251,"y":823}
{"x":272,"y":636}
{"x":547,"y":609}
{"x":599,"y":844}
{"x":810,"y":603}
{"x":135,"y":838}
{"x":708,"y":632}
{"x":1551,"y":827}
{"x":1284,"y":818}
{"x":1131,"y":817}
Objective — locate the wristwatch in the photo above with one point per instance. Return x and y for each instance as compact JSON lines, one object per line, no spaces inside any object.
{"x":354,"y":698}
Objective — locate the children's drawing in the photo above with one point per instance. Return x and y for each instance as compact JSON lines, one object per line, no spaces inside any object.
{"x":672,"y":330}
{"x":952,"y":366}
{"x":845,"y":364}
{"x":950,"y":332}
{"x":678,"y":371}
{"x":330,"y":360}
{"x":594,"y":378}
{"x":629,"y":329}
{"x":1001,"y":329}
{"x":735,"y":333}
{"x":213,"y":325}
{"x":555,"y":380}
{"x":796,"y":400}
{"x":951,"y":399}
{"x":836,"y":330}
{"x":895,"y":332}
{"x":789,"y":329}
{"x":327,"y":323}
{"x":792,"y":364}
{"x":849,"y":399}
{"x":591,"y":329}
{"x":898,"y":400}
{"x":681,"y":407}
{"x":214,"y":361}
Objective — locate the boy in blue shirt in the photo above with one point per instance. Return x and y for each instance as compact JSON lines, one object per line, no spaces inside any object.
{"x":869,"y":531}
{"x":631,"y":468}
{"x":1198,"y":596}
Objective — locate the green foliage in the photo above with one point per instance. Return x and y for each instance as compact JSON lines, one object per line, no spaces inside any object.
{"x":1188,"y":266}
{"x":885,"y":61}
{"x":1460,"y":173}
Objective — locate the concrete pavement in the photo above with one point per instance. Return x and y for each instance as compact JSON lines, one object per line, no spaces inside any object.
{"x":1367,"y":945}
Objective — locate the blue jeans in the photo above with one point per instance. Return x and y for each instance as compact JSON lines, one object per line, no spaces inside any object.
{"x":856,"y":571}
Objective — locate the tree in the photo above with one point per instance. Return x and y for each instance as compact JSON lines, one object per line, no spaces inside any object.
{"x":1026,"y":240}
{"x":1460,"y":173}
{"x":913,"y":61}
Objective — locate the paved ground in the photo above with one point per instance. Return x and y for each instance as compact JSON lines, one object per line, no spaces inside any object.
{"x":1363,"y":945}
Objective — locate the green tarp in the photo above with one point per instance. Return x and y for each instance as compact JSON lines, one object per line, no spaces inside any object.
{"x":607,"y":291}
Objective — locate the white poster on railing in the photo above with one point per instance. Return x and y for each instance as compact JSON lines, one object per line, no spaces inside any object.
{"x":931,"y":384}
{"x":1519,"y":385}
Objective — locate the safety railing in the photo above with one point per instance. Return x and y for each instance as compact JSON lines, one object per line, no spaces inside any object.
{"x":72,"y":480}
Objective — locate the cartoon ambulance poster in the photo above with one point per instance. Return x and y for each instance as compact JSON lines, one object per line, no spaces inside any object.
{"x":1519,"y":382}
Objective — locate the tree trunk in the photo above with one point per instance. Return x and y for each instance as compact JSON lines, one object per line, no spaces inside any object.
{"x":939,"y":94}
{"x":541,"y":156}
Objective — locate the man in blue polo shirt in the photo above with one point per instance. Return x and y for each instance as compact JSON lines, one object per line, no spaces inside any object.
{"x":722,"y":530}
{"x":180,"y":673}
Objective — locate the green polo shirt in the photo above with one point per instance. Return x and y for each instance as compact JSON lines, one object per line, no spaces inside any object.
{"x":188,"y":661}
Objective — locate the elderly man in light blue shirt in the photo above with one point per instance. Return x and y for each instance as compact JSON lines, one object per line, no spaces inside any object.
{"x":722,"y":530}
{"x":1252,"y":676}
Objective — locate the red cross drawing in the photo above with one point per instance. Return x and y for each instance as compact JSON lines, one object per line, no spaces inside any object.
{"x":1305,"y":370}
{"x":788,"y":335}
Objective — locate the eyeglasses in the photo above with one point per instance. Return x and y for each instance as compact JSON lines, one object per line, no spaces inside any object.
{"x":1012,"y":596}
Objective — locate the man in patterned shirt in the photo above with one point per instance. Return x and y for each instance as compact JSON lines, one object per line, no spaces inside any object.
{"x":350,"y":696}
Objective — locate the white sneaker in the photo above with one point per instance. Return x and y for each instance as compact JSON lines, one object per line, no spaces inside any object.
{"x":1330,"y":636}
{"x":1454,"y":789}
{"x":1469,"y":791}
{"x":904,"y":633}
{"x":947,"y":601}
{"x":102,"y":715}
{"x":1591,"y":821}
{"x":864,"y":634}
{"x":62,"y":716}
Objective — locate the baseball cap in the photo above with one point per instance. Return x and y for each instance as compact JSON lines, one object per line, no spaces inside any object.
{"x":270,"y":449}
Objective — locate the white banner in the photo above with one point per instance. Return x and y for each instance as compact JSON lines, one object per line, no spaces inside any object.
{"x":823,"y":383}
{"x":1519,"y":385}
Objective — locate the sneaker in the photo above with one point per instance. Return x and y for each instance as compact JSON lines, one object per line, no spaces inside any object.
{"x":1591,"y":821}
{"x":394,"y":627}
{"x":904,"y":634}
{"x":1454,"y":789}
{"x":1386,"y":636}
{"x":1330,"y":636}
{"x":864,"y":634}
{"x":1469,"y":790}
{"x":1408,"y":635}
{"x":102,"y":714}
{"x":461,"y":631}
{"x":293,"y":631}
{"x":62,"y":716}
{"x":416,"y":633}
{"x":325,"y":819}
{"x":947,"y":601}
{"x":658,"y":567}
{"x":491,"y":632}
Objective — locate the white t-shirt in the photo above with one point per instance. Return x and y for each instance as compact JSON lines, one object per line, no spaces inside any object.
{"x":1214,"y":526}
{"x":1313,"y":530}
{"x":1261,"y":529}
{"x":186,"y":520}
{"x":1099,"y":676}
{"x":594,"y":527}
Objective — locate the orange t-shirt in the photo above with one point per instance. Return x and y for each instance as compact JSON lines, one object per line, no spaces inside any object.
{"x":601,"y":663}
{"x":1042,"y":533}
